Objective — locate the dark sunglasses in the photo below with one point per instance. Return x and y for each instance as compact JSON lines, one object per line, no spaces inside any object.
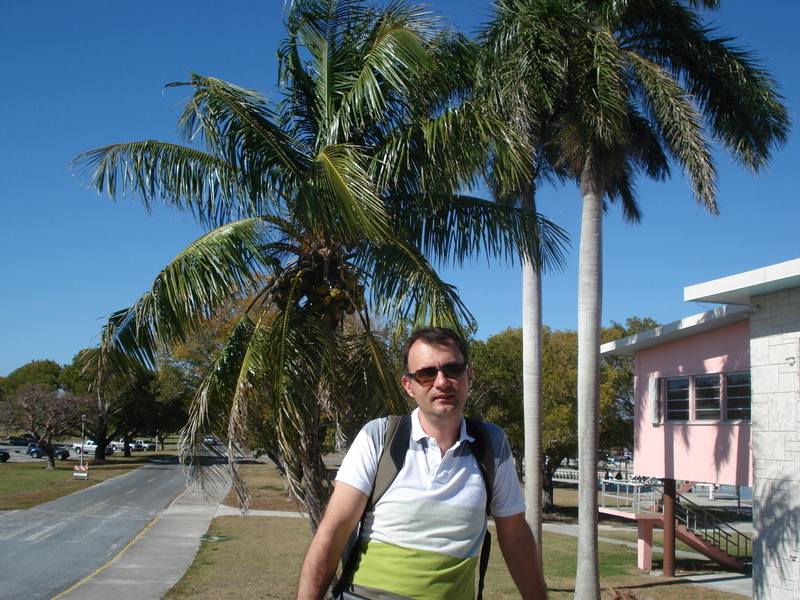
{"x":429,"y":374}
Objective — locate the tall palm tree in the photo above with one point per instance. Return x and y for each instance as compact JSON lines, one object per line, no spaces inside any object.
{"x":644,"y":84}
{"x":523,"y":92}
{"x":649,"y":85}
{"x":336,"y":201}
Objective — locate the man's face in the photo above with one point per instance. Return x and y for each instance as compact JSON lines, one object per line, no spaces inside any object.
{"x":443,"y":398}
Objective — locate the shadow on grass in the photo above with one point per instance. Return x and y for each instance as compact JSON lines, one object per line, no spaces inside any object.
{"x":691,"y":565}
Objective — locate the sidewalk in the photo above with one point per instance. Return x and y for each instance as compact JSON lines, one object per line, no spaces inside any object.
{"x":158,"y":557}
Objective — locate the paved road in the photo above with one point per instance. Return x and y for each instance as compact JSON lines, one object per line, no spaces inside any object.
{"x":47,"y":549}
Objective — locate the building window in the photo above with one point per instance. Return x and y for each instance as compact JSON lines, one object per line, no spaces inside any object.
{"x":737,"y":387}
{"x":708,"y":397}
{"x":678,"y":399}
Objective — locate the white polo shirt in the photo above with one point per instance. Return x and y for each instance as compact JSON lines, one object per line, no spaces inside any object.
{"x":423,"y":538}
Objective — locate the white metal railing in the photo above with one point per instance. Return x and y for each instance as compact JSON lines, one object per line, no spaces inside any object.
{"x":639,"y":495}
{"x":714,"y":530}
{"x":568,"y":474}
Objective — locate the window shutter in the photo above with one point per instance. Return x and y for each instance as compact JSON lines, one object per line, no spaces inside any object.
{"x":654,"y":400}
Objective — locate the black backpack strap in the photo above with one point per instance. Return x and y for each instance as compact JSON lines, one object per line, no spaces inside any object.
{"x":393,"y":455}
{"x":486,"y":549}
{"x":484,"y":453}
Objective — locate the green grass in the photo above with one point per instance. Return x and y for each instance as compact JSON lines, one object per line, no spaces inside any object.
{"x":254,"y":557}
{"x":246,"y":557}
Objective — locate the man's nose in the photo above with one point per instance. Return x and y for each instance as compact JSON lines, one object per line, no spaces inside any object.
{"x":441,"y":380}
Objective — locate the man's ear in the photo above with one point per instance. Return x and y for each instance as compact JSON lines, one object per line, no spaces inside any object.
{"x":407,"y":385}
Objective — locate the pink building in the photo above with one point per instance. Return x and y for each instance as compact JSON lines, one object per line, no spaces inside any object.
{"x":717,"y":402}
{"x":692,"y":388}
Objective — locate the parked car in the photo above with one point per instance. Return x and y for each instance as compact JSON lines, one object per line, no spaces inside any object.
{"x":90,"y":447}
{"x":140,"y":445}
{"x":36,"y":452}
{"x":4,"y":456}
{"x":21,"y":440}
{"x":209,"y":440}
{"x":118,"y":445}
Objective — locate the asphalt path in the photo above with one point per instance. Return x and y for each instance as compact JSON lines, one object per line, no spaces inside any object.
{"x":47,"y":549}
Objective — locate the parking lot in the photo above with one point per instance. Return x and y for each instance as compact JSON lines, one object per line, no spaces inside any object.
{"x":18,"y":454}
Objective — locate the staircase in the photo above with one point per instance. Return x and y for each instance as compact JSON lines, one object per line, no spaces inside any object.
{"x":716,"y":539}
{"x":640,"y":499}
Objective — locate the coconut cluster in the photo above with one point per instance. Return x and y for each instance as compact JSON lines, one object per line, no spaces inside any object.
{"x":319,"y":285}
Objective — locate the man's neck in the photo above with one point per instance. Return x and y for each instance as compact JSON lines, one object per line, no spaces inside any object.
{"x":446,"y":432}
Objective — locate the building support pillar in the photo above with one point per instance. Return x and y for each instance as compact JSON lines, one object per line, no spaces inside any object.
{"x":669,"y":527}
{"x":645,"y":544}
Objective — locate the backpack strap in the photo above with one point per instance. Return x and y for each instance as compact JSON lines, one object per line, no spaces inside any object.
{"x":484,"y":454}
{"x":393,"y":455}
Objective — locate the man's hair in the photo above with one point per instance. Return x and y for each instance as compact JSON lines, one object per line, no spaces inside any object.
{"x":435,"y":336}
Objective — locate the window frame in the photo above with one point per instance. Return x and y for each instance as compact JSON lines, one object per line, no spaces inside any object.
{"x":695,"y":411}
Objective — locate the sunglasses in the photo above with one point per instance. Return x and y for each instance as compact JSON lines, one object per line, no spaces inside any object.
{"x":429,"y":374}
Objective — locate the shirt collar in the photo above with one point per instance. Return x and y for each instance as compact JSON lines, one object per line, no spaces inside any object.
{"x":418,"y":433}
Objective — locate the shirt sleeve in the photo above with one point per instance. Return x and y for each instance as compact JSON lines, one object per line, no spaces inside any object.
{"x":507,"y":496}
{"x":360,"y":464}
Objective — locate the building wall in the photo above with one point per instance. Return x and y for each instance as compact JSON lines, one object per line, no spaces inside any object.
{"x":710,"y":452}
{"x":775,"y":357}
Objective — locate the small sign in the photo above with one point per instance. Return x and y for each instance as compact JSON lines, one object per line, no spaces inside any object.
{"x":81,"y":472}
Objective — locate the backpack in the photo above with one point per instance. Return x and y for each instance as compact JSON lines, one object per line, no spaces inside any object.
{"x":393,"y":455}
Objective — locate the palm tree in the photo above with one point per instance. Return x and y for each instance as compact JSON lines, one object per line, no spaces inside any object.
{"x":644,"y":84}
{"x":328,"y":208}
{"x":523,"y":92}
{"x":647,"y":83}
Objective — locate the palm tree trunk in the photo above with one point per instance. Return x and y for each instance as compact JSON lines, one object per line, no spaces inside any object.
{"x":590,"y":286}
{"x":316,"y":490}
{"x":532,"y":381}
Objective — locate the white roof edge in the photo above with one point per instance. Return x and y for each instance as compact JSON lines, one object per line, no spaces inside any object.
{"x":677,"y":330}
{"x":738,"y":289}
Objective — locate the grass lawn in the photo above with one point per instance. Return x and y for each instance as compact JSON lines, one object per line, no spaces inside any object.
{"x":257,"y":557}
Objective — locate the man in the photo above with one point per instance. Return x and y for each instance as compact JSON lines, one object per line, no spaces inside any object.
{"x":424,"y":535}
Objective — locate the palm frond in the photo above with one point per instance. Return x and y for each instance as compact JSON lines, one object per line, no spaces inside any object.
{"x":395,"y":56}
{"x":444,"y":152}
{"x":368,"y":387}
{"x":405,"y":287}
{"x":238,"y":125}
{"x":192,"y":181}
{"x":737,"y":96}
{"x":339,"y":193}
{"x":213,"y":411}
{"x":675,"y":115}
{"x":463,"y":228}
{"x":601,"y":94}
{"x":221,"y":264}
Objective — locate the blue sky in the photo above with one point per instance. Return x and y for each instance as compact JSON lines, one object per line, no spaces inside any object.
{"x":78,"y":75}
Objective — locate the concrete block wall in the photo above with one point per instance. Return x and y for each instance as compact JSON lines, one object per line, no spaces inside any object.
{"x":775,"y":367}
